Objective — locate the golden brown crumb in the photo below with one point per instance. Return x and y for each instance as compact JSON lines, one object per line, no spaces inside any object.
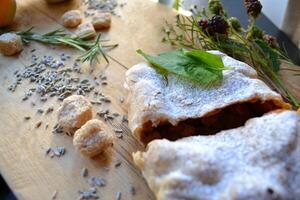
{"x":86,"y":31}
{"x":93,"y":138}
{"x":102,"y":21}
{"x":10,"y":44}
{"x":72,"y":18}
{"x":75,"y":111}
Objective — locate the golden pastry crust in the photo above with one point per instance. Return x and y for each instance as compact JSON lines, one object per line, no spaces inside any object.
{"x":72,"y":18}
{"x":75,"y":111}
{"x":93,"y":138}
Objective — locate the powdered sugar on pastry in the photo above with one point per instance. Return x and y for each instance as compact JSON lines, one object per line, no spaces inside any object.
{"x":258,"y":161}
{"x":178,"y":108}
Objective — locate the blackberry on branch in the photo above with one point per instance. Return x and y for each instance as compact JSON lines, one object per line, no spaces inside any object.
{"x":253,"y":7}
{"x":217,"y":25}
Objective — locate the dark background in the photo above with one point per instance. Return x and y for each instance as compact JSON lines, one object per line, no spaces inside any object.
{"x":234,"y":8}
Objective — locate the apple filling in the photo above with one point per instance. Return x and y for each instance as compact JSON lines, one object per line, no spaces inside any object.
{"x":232,"y":116}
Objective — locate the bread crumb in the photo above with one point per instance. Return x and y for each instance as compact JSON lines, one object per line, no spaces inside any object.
{"x":10,"y":44}
{"x":93,"y":138}
{"x":75,"y":111}
{"x":102,"y":21}
{"x":72,"y":18}
{"x":86,"y":31}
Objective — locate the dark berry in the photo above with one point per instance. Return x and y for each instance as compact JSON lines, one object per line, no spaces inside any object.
{"x":217,"y":25}
{"x":253,"y":7}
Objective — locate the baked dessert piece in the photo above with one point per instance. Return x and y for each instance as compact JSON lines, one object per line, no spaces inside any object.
{"x":72,"y":18}
{"x":10,"y":44}
{"x":86,"y":31}
{"x":102,"y":21}
{"x":259,"y":161}
{"x":178,"y":108}
{"x":93,"y":138}
{"x":75,"y":111}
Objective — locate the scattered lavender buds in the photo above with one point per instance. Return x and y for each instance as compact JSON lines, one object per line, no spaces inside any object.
{"x":94,"y":181}
{"x":51,"y":78}
{"x":56,"y":152}
{"x":89,"y":194}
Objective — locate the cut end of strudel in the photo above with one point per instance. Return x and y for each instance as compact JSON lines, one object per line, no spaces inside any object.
{"x":178,"y":108}
{"x":258,"y":161}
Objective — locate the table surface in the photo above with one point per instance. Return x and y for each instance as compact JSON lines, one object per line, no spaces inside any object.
{"x":23,"y":164}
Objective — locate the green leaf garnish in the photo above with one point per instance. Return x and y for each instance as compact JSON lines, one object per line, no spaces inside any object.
{"x":198,"y":66}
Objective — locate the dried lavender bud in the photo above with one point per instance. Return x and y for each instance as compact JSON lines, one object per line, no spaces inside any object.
{"x":118,"y":196}
{"x":84,"y":172}
{"x":215,"y":7}
{"x":94,"y":181}
{"x":217,"y":25}
{"x":253,"y":7}
{"x":235,"y":24}
{"x":272,"y":41}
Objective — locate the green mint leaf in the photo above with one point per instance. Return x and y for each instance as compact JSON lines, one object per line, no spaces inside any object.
{"x":198,"y":66}
{"x":211,"y":60}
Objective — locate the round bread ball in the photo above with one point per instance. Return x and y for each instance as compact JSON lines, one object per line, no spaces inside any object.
{"x":86,"y":31}
{"x":72,"y":18}
{"x":93,"y":138}
{"x":75,"y":111}
{"x":102,"y":21}
{"x":10,"y":44}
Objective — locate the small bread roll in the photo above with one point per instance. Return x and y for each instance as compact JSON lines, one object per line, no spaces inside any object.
{"x":10,"y":44}
{"x":93,"y":138}
{"x":102,"y":21}
{"x":72,"y":18}
{"x":75,"y":111}
{"x":86,"y":31}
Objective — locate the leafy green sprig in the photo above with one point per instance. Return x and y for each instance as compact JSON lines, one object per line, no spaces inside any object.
{"x":247,"y":45}
{"x":198,"y":66}
{"x":91,"y":49}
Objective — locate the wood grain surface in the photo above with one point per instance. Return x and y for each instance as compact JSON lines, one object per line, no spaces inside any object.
{"x":23,"y":164}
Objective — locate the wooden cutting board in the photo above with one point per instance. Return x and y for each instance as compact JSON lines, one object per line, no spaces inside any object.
{"x":23,"y":164}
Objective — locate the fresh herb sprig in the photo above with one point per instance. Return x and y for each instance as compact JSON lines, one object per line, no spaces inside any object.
{"x":213,"y":29}
{"x":91,"y":49}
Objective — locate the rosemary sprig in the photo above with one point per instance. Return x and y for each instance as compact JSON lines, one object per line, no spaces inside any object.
{"x":250,"y":45}
{"x":96,"y":49}
{"x":91,"y":49}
